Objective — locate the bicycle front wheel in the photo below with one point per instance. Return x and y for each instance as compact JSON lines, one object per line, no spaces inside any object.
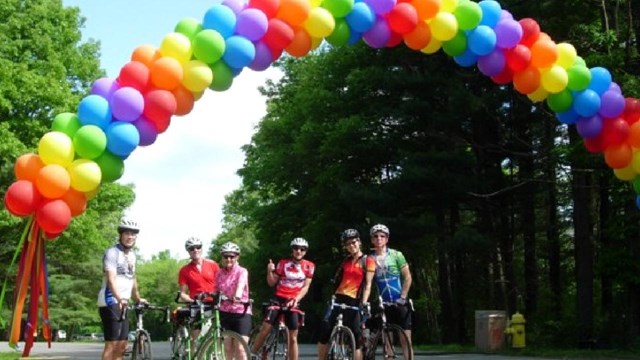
{"x":280,"y":347}
{"x":390,"y":343}
{"x":180,"y":341}
{"x":214,"y":347}
{"x":142,"y":346}
{"x":342,"y":344}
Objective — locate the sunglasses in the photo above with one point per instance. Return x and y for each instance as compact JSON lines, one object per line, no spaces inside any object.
{"x":229,"y":256}
{"x":300,"y":248}
{"x":197,"y":247}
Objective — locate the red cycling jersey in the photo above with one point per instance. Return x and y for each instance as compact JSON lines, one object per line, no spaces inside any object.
{"x":199,"y":281}
{"x":353,"y":276}
{"x":292,"y":275}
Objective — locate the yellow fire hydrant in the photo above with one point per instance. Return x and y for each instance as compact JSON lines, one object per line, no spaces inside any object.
{"x":515,"y":329}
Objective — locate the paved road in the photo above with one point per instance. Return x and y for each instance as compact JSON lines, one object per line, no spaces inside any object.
{"x":92,"y":351}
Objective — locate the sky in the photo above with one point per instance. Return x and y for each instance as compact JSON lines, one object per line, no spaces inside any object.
{"x":181,"y":179}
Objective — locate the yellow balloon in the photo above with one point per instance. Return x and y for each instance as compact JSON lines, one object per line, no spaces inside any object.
{"x":315,"y":42}
{"x":56,"y":148}
{"x":320,"y":23}
{"x":554,"y":79}
{"x":635,"y":161}
{"x":567,"y":55}
{"x":444,"y":26}
{"x":315,"y":3}
{"x":197,"y":76}
{"x":626,"y":173}
{"x":448,"y":5}
{"x":92,"y":194}
{"x":538,"y":95}
{"x":178,"y":46}
{"x":85,"y":175}
{"x":432,"y":47}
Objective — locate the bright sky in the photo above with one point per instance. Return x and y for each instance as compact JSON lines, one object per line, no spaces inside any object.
{"x":181,"y":179}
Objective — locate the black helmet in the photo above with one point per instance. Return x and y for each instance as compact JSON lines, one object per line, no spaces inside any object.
{"x":349,"y":234}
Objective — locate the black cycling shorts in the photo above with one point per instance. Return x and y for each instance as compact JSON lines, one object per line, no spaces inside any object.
{"x":400,"y":315}
{"x":114,"y":328}
{"x":240,"y":323}
{"x":292,"y":320}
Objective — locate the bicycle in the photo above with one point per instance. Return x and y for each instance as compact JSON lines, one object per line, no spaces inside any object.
{"x":276,"y":345}
{"x":210,"y":342}
{"x":387,"y":341}
{"x":141,"y":349}
{"x":342,"y":342}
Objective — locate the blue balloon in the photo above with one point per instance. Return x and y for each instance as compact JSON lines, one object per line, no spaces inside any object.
{"x":122,"y":138}
{"x":568,"y":117}
{"x":94,"y":110}
{"x":361,"y":18}
{"x":491,"y":12}
{"x":467,"y":59}
{"x":586,"y":102}
{"x":354,"y":38}
{"x":600,"y":80}
{"x":239,"y":51}
{"x":638,"y":201}
{"x":221,"y":19}
{"x":482,"y":40}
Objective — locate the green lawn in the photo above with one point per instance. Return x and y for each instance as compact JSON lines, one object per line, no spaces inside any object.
{"x":10,"y":356}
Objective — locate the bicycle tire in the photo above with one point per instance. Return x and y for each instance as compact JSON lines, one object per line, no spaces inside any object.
{"x":342,"y":344}
{"x":390,"y":343}
{"x":180,"y":341}
{"x":142,"y":346}
{"x":213,"y":347}
{"x":280,"y":347}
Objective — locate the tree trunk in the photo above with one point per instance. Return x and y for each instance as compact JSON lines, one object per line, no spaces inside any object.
{"x":553,"y":237}
{"x":444,"y":281}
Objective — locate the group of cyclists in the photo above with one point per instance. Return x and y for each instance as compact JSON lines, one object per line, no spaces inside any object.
{"x":291,"y":277}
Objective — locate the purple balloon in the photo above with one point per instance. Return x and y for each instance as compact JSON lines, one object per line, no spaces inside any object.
{"x":508,"y":33}
{"x":611,"y":104}
{"x":615,"y":87}
{"x":252,"y":24}
{"x":381,"y":7}
{"x":589,"y":127}
{"x":379,"y":34}
{"x":505,"y":15}
{"x":492,"y":64}
{"x":105,"y":87}
{"x":235,"y":5}
{"x":263,"y":58}
{"x":146,"y":129}
{"x":127,"y":104}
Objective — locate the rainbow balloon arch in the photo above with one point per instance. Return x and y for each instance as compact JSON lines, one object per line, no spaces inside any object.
{"x":86,"y":149}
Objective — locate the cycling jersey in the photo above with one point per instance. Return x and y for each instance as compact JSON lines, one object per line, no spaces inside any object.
{"x":353,"y":276}
{"x":228,"y":281}
{"x":292,"y":276}
{"x":124,"y":265}
{"x":388,"y":274}
{"x":199,"y":281}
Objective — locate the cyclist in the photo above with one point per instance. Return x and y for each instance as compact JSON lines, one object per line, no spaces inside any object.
{"x":196,"y":277}
{"x":292,"y":278}
{"x":118,"y":287}
{"x":392,"y":278}
{"x":354,"y":279}
{"x":235,"y":314}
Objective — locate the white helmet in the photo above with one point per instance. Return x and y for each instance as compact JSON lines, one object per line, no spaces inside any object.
{"x":126,"y":224}
{"x":229,"y":247}
{"x":299,"y":242}
{"x":379,"y":227}
{"x":191,"y":242}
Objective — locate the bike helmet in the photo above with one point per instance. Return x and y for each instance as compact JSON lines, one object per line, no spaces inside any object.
{"x":126,"y":224}
{"x":191,"y":242}
{"x":230,"y":247}
{"x":377,"y":228}
{"x":299,"y":242}
{"x":349,"y":234}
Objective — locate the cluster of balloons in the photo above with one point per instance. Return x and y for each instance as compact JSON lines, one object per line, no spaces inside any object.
{"x":88,"y":148}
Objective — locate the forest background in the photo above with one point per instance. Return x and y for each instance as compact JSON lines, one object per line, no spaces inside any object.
{"x":495,"y":204}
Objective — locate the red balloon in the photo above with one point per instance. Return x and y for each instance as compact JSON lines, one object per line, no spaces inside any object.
{"x":518,"y":57}
{"x":504,"y":78}
{"x":631,"y":110}
{"x":594,"y":145}
{"x":22,"y":198}
{"x":614,"y":131}
{"x":403,"y":18}
{"x":53,"y":216}
{"x":279,"y":34}
{"x":530,"y":31}
{"x":51,"y":236}
{"x":136,"y":75}
{"x":394,"y":39}
{"x":268,"y":7}
{"x":159,"y":106}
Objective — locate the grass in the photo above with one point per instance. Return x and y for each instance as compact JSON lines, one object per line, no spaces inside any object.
{"x":568,"y":354}
{"x":10,"y":356}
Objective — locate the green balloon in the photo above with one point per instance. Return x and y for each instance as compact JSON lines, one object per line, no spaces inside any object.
{"x":222,"y":76}
{"x":188,"y":27}
{"x":579,"y":77}
{"x":208,"y":46}
{"x":338,"y":8}
{"x":67,"y":123}
{"x":636,"y":184}
{"x":90,"y":142}
{"x":340,"y":35}
{"x":457,"y":45}
{"x":111,"y":166}
{"x":560,"y":102}
{"x":468,"y":13}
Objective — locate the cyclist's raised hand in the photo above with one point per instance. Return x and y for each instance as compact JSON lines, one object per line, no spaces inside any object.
{"x":271,"y":267}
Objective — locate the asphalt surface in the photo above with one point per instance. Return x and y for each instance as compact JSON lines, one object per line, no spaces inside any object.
{"x":160,"y":350}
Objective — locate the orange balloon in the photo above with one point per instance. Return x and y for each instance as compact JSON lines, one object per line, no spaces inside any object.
{"x":27,"y":167}
{"x":166,"y":73}
{"x":634,"y":135}
{"x":294,"y":12}
{"x":618,"y":156}
{"x":301,"y":44}
{"x":53,"y":181}
{"x":184,"y":100}
{"x":146,"y":54}
{"x":527,"y":80}
{"x":426,"y":9}
{"x":419,"y":37}
{"x":544,"y":53}
{"x":76,"y":200}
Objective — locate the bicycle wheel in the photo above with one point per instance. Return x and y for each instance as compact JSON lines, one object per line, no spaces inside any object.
{"x":213,"y":347}
{"x":390,"y":343}
{"x":280,"y":345}
{"x":180,"y":341}
{"x":342,"y":344}
{"x":142,"y":346}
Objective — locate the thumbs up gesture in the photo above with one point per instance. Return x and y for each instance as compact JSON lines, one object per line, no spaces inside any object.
{"x":271,"y":267}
